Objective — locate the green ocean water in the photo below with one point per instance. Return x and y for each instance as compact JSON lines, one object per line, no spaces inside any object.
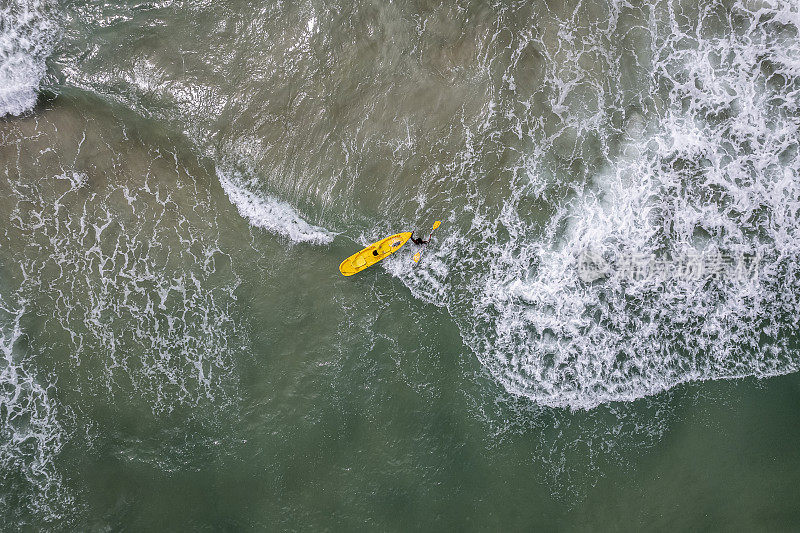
{"x":179,"y":182}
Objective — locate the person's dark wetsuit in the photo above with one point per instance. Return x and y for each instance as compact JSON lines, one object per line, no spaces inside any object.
{"x":418,"y":240}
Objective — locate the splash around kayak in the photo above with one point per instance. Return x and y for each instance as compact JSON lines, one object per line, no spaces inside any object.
{"x":373,"y":253}
{"x":381,"y":249}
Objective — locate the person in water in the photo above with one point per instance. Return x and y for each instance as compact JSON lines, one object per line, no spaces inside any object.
{"x":419,"y":239}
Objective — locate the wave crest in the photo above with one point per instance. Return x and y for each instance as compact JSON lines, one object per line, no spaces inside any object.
{"x":270,"y":213}
{"x":26,"y":39}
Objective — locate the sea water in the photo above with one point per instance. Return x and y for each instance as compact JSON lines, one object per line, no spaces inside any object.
{"x":603,"y":333}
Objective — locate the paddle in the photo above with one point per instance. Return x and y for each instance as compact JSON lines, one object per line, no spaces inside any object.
{"x":418,"y":255}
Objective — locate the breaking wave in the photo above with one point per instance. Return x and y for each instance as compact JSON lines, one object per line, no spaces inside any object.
{"x":271,"y":214}
{"x":26,"y":39}
{"x":707,"y":168}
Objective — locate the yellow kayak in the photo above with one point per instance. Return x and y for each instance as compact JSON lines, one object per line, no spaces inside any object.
{"x":373,"y":253}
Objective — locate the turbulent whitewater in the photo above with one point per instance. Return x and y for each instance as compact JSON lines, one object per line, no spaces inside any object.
{"x":701,"y":163}
{"x":27,"y":34}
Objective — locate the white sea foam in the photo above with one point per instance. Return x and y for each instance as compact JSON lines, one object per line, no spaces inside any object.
{"x":269,"y":213}
{"x":26,"y":39}
{"x":177,"y":342}
{"x":139,"y":295}
{"x":132,"y":296}
{"x":31,"y":435}
{"x":716,"y":171}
